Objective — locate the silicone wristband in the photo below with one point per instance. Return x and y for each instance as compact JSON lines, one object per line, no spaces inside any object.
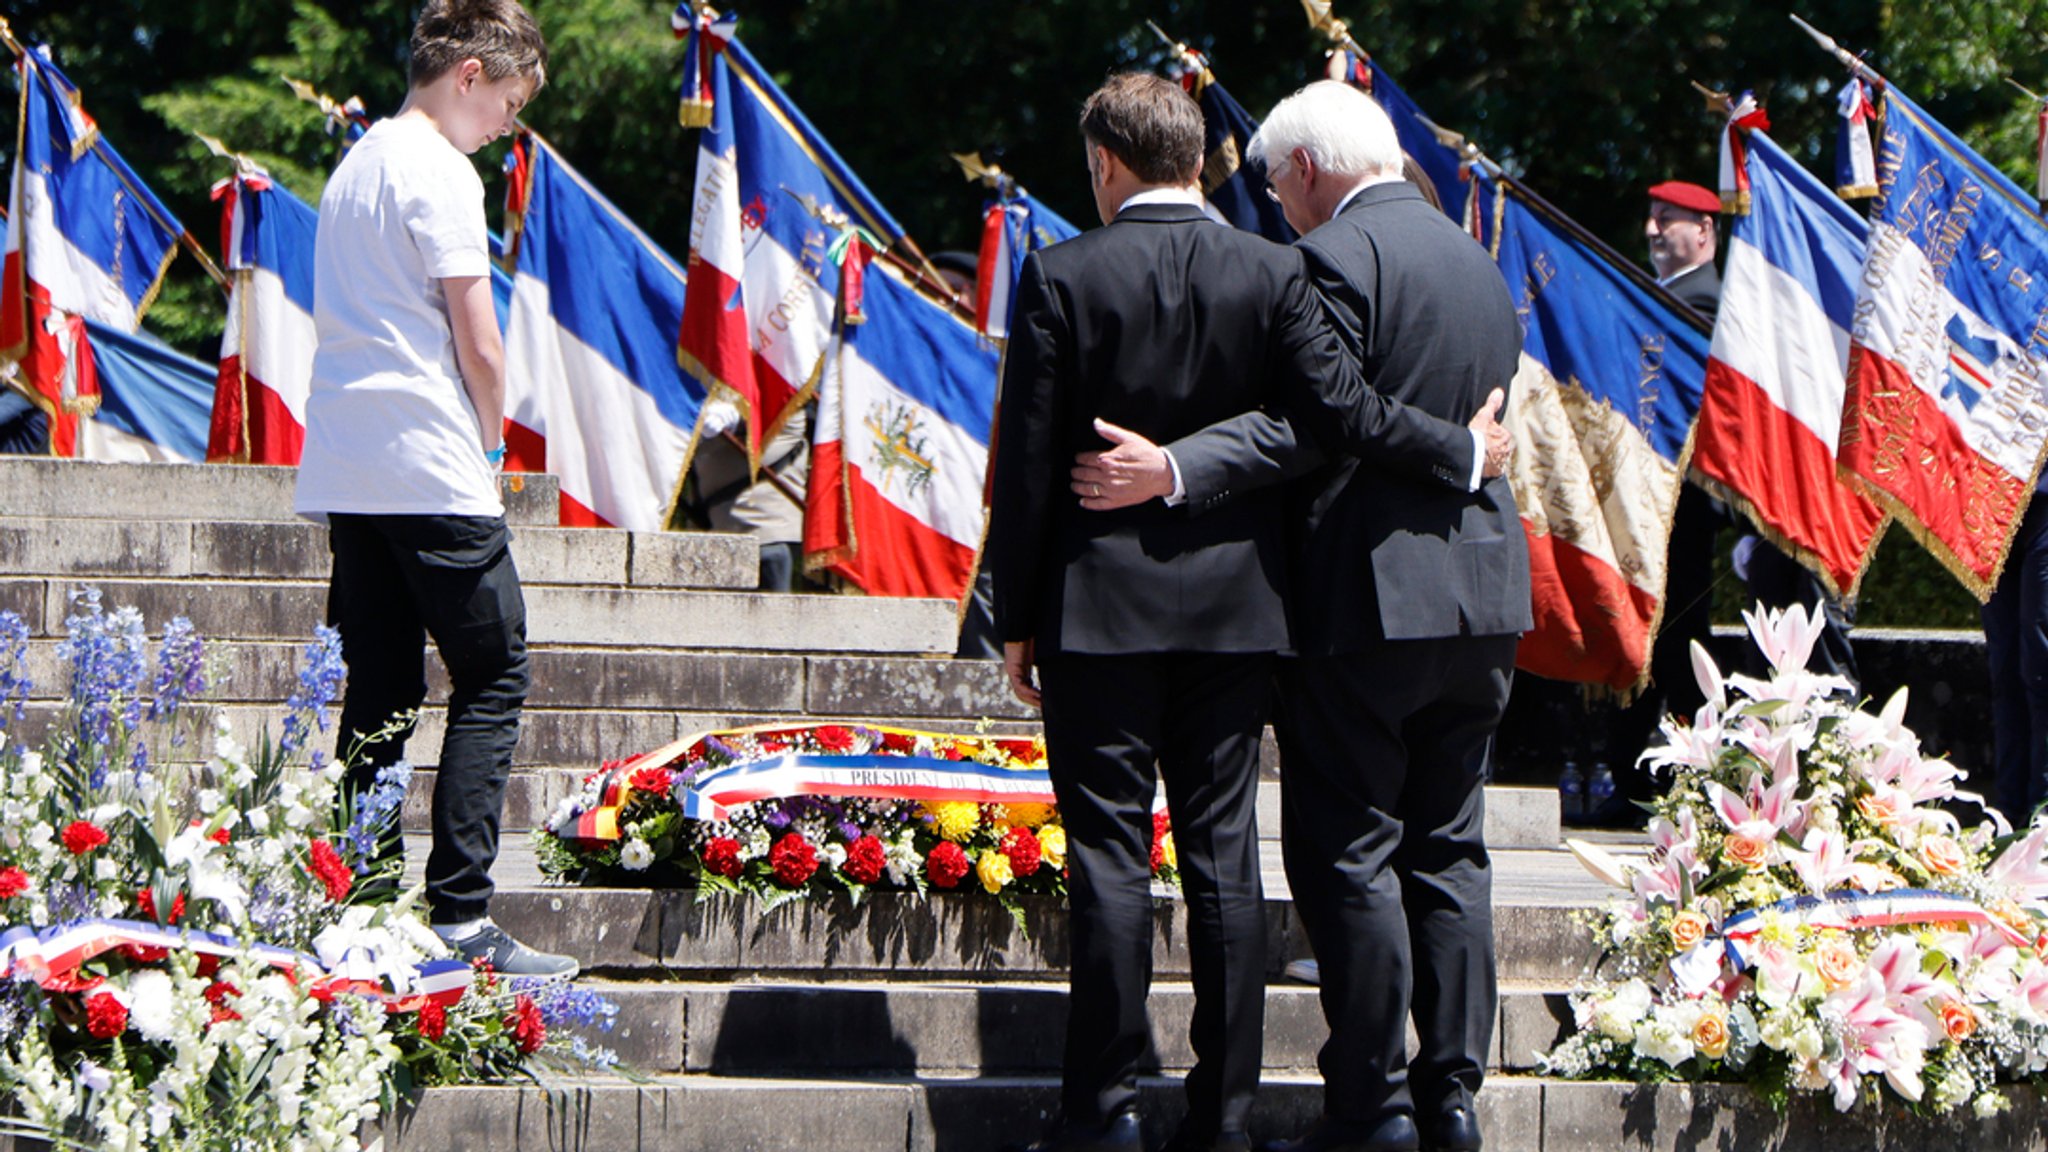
{"x":496,"y":455}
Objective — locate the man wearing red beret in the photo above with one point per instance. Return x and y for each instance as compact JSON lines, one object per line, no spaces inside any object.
{"x":1682,"y":239}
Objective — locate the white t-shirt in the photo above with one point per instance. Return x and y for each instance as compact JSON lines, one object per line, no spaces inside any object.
{"x":389,"y":426}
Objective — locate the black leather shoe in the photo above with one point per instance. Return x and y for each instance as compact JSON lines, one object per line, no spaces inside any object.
{"x":1120,"y":1134}
{"x":1455,"y":1129}
{"x":1394,"y":1134}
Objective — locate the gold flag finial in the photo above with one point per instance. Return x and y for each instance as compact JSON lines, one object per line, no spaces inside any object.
{"x":1719,"y":103}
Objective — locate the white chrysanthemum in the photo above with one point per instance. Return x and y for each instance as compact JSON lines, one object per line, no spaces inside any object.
{"x":152,"y":1007}
{"x":636,"y":856}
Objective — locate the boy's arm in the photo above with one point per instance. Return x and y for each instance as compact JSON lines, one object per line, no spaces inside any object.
{"x":479,"y":351}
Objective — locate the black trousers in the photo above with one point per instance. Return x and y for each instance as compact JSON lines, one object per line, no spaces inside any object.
{"x":1383,"y":755}
{"x":398,"y":580}
{"x":1108,"y":720}
{"x":2016,"y":646}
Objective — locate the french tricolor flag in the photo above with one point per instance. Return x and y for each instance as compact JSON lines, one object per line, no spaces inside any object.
{"x":1946,"y":416}
{"x":593,"y":390}
{"x":770,"y":195}
{"x":1013,"y":228}
{"x":87,"y":241}
{"x":1601,"y":411}
{"x":905,"y":406}
{"x":1771,"y":415}
{"x":266,"y":352}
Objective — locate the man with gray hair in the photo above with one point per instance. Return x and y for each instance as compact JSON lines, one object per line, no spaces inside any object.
{"x":1406,"y":599}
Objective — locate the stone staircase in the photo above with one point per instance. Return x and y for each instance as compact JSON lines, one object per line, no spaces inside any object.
{"x":897,"y":1024}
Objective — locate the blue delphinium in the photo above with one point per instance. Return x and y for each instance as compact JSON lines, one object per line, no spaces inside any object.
{"x":180,"y":668}
{"x":104,"y":656}
{"x":14,"y":680}
{"x":564,"y":1004}
{"x":320,"y":675}
{"x":376,"y":810}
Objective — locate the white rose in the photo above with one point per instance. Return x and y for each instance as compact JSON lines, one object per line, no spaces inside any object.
{"x":636,"y":856}
{"x":1618,"y":1015}
{"x":1667,"y":1034}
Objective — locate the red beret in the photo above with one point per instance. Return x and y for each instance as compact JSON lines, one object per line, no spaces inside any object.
{"x":1690,"y":197}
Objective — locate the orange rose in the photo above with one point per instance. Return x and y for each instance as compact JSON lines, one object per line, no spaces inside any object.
{"x":1710,"y":1031}
{"x":1958,"y":1020}
{"x":1837,"y":964}
{"x":1688,"y":928}
{"x":1942,"y":855}
{"x":1751,"y":852}
{"x":1882,"y":812}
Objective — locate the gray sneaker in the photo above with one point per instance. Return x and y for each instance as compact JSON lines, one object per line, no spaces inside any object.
{"x":508,"y":957}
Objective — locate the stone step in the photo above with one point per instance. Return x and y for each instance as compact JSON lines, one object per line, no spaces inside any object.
{"x":97,"y":490}
{"x":700,"y":1113}
{"x":635,"y":933}
{"x":589,"y":616}
{"x":86,"y":550}
{"x":840,"y":1028}
{"x":939,"y":691}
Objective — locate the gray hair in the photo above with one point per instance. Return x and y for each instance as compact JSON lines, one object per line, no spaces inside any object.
{"x":1343,"y":130}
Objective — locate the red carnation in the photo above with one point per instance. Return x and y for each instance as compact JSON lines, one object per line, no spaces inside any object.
{"x":145,"y":901}
{"x":218,"y":994}
{"x":654,"y":781}
{"x":947,"y":864}
{"x":220,"y":835}
{"x":901,"y":743}
{"x":13,"y":882}
{"x":771,"y":746}
{"x":722,"y":857}
{"x":1020,"y":749}
{"x":835,"y":738}
{"x":529,"y":1031}
{"x":105,"y":1016}
{"x":433,"y":1021}
{"x":1021,"y":846}
{"x":793,"y":859}
{"x":81,"y":837}
{"x":866,"y":859}
{"x":1160,"y":827}
{"x":950,"y":751}
{"x":327,"y":867}
{"x":145,"y":953}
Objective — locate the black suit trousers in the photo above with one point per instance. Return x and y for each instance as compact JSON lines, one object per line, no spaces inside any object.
{"x":1109,"y":719}
{"x":1382,"y":760}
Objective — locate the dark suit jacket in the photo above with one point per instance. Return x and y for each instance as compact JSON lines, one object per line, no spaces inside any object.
{"x":1163,"y":322}
{"x":1698,"y":289}
{"x":1379,"y":552}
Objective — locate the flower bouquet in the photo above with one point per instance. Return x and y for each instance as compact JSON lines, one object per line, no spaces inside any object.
{"x":1822,"y":910}
{"x":189,"y":955}
{"x":782,"y":811}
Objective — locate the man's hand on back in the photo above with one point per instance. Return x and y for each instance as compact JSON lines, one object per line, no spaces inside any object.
{"x":1500,"y":446}
{"x":1129,"y":473}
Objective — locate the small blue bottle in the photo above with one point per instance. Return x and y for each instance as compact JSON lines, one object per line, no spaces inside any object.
{"x":1571,"y":793}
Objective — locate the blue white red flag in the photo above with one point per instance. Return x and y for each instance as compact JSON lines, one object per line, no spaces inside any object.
{"x":154,"y":402}
{"x":1855,"y":159}
{"x":1235,"y":185}
{"x":1012,"y":228}
{"x":86,"y":241}
{"x":1946,"y":419}
{"x":901,"y":446}
{"x":266,"y":351}
{"x":593,"y":390}
{"x":1601,"y":410}
{"x":1772,"y":412}
{"x":771,"y":195}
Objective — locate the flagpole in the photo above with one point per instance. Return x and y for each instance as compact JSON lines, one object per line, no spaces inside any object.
{"x":185,"y":239}
{"x":1850,"y":60}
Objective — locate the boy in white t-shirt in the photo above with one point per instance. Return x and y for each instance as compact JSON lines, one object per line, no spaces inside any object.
{"x":404,"y":437}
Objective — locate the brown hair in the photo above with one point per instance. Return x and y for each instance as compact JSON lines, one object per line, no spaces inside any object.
{"x":1147,"y":122}
{"x":499,"y":34}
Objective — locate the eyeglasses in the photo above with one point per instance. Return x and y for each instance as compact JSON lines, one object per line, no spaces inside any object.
{"x":1273,"y":174}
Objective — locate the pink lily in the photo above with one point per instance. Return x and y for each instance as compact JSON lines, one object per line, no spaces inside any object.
{"x":1823,"y":862}
{"x":2022,"y":869}
{"x":1876,"y":1037}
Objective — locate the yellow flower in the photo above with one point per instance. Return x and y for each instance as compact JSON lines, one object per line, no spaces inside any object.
{"x":1710,"y":1031}
{"x":994,"y":870}
{"x":1052,"y":846}
{"x":1688,"y":928}
{"x":1032,"y":816}
{"x":955,"y":820}
{"x":1167,"y":850}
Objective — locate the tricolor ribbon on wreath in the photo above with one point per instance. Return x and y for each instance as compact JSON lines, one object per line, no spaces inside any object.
{"x":1848,"y":911}
{"x":936,"y":768}
{"x":53,"y":956}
